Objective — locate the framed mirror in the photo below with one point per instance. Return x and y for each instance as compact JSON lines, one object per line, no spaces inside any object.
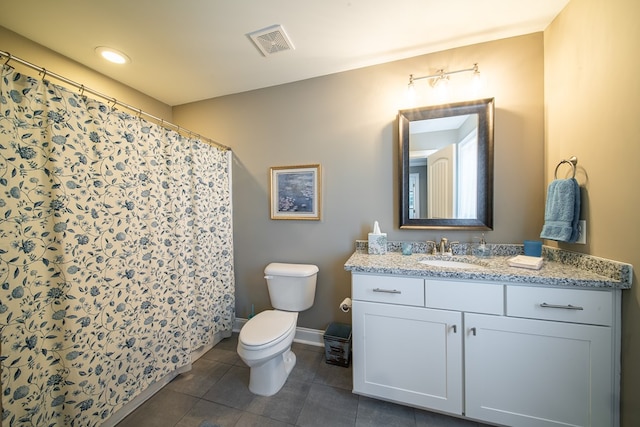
{"x":446,"y":166}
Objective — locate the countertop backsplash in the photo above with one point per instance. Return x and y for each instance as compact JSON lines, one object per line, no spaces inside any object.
{"x":457,"y":248}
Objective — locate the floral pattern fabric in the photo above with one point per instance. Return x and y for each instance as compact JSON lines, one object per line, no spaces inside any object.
{"x":116,"y":253}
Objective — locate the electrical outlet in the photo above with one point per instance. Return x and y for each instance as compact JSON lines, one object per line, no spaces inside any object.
{"x":582,"y":232}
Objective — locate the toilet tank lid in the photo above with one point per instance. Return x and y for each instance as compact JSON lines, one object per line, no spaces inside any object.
{"x":291,"y":270}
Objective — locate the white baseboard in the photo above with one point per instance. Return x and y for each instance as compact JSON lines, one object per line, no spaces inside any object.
{"x":307,"y":336}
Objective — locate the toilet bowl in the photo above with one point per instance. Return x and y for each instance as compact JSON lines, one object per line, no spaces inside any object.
{"x":264,"y":343}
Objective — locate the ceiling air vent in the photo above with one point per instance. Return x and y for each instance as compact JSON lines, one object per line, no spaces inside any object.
{"x":271,"y":40}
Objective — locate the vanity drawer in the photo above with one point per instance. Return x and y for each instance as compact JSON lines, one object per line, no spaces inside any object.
{"x":564,"y":305}
{"x":465,"y":296}
{"x":388,"y":289}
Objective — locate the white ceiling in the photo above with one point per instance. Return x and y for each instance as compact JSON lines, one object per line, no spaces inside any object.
{"x":188,"y":50}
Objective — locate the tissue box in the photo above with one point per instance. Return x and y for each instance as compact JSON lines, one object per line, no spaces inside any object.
{"x":377,"y":244}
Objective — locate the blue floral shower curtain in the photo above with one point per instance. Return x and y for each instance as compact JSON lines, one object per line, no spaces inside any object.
{"x":116,"y":256}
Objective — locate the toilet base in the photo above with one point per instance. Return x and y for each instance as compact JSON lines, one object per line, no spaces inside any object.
{"x":268,"y":378}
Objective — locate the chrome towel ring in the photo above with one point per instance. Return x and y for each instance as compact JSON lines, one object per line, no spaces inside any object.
{"x":573,"y":161}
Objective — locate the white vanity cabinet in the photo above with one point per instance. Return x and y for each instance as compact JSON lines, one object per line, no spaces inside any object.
{"x":555,"y":371}
{"x":394,"y":334}
{"x":512,"y":355}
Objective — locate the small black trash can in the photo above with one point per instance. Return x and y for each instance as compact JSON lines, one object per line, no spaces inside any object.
{"x":337,"y":344}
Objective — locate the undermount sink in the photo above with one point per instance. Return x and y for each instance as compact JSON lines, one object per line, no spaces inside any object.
{"x":449,"y":263}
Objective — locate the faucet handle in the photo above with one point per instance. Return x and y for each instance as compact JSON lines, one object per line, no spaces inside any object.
{"x":434,"y":251}
{"x":450,"y":250}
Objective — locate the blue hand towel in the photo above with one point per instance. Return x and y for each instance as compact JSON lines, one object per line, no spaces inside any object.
{"x":562,"y":211}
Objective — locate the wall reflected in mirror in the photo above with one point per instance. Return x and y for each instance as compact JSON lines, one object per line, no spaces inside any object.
{"x":447,"y":165}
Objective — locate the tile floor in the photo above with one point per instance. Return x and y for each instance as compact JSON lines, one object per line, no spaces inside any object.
{"x":215,"y":392}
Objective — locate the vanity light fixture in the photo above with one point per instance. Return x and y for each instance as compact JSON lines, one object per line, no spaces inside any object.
{"x":441,"y":81}
{"x":441,"y":85}
{"x":441,"y":78}
{"x":112,"y":55}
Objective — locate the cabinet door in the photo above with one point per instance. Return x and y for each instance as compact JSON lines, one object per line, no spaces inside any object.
{"x":524,"y":372}
{"x":409,"y":355}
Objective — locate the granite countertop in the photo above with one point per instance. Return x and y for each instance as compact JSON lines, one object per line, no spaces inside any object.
{"x":560,"y":268}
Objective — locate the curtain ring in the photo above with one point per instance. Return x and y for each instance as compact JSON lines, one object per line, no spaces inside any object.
{"x":115,"y":101}
{"x":8,"y":59}
{"x":44,"y":73}
{"x":81,"y":90}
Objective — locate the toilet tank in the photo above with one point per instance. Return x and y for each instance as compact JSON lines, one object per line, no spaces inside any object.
{"x":292,"y":287}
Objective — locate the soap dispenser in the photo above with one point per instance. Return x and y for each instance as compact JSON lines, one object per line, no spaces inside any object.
{"x":482,"y":250}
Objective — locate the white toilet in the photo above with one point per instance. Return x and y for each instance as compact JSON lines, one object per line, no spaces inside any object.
{"x":265,"y":340}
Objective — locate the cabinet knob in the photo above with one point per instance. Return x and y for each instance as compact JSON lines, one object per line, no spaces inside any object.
{"x":455,"y":328}
{"x":473,"y":331}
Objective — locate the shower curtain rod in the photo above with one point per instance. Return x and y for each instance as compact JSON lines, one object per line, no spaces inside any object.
{"x":163,"y":123}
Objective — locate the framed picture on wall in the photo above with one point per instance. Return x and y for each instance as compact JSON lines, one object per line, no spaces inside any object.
{"x":295,"y":192}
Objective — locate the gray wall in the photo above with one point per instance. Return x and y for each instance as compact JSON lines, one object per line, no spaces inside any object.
{"x":347,"y":123}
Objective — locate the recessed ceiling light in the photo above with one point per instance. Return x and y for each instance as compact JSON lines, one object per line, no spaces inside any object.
{"x":112,"y":55}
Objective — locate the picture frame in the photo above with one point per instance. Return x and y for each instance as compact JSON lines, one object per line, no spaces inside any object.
{"x":296,"y":192}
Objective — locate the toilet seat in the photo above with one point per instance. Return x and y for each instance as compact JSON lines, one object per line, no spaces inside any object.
{"x":267,"y":329}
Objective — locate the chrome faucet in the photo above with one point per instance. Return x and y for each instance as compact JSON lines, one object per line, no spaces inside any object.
{"x":442,"y":248}
{"x":445,"y":247}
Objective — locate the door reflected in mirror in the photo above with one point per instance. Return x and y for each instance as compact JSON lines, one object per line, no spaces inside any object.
{"x":446,"y":171}
{"x":443,"y":154}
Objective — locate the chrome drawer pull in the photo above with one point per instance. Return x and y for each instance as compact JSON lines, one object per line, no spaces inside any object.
{"x":387,"y":291}
{"x":566,"y":307}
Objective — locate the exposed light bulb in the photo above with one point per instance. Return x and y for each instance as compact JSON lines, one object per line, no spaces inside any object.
{"x":476,"y":79}
{"x":441,"y":87}
{"x":476,"y":82}
{"x":411,"y":90}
